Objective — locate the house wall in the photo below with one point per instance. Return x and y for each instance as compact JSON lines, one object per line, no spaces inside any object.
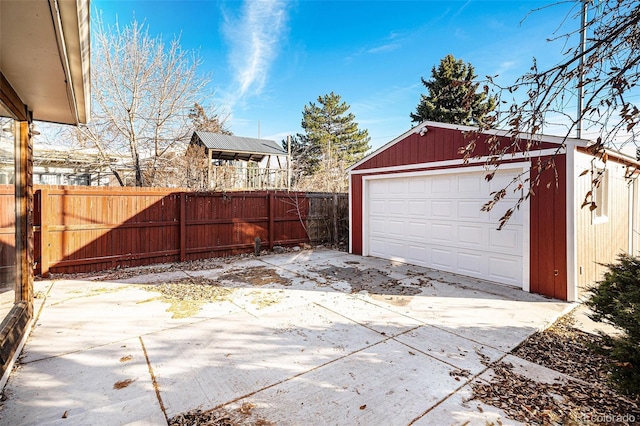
{"x":439,"y":149}
{"x":600,"y":240}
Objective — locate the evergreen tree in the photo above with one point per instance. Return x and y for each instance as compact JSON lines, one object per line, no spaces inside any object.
{"x":331,"y":133}
{"x":305,"y":158}
{"x":452,"y":95}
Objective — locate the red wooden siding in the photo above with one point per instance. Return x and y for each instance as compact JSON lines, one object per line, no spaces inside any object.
{"x":438,"y":144}
{"x":548,"y":233}
{"x":80,"y":229}
{"x":356,"y":214}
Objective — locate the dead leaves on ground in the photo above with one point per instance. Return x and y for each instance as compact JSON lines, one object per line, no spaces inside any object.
{"x":567,"y":350}
{"x":122,"y":384}
{"x":587,"y":400}
{"x":241,"y":416}
{"x":571,"y":402}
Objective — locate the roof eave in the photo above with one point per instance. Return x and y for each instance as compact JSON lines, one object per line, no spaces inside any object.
{"x":75,"y":20}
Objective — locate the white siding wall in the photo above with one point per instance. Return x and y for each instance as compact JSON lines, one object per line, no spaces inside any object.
{"x":600,"y":239}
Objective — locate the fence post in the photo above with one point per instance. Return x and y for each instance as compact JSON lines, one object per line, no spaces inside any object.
{"x":183,"y":227}
{"x":335,"y":218}
{"x":44,"y":233}
{"x":271,"y":219}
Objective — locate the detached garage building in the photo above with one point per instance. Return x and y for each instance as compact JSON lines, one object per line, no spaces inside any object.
{"x":416,"y":201}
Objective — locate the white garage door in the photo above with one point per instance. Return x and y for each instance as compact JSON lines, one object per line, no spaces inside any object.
{"x":436,"y":221}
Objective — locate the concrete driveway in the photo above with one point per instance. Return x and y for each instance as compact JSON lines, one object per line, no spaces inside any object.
{"x":309,"y":337}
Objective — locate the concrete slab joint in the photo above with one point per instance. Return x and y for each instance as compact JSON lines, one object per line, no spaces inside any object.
{"x":300,"y":337}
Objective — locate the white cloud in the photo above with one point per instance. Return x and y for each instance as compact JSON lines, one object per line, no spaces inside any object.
{"x":253,"y":38}
{"x":504,"y":67}
{"x":460,"y":10}
{"x":278,"y":137}
{"x":387,"y":99}
{"x":384,"y":48}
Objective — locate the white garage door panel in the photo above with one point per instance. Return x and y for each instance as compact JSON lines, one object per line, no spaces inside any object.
{"x":418,"y":230}
{"x":443,"y":233}
{"x":441,"y":185}
{"x":504,"y":269}
{"x":417,"y":255}
{"x":377,"y":207}
{"x":442,"y":258}
{"x":471,"y":263}
{"x":417,"y":186}
{"x":469,"y":184}
{"x":377,"y":226}
{"x":397,"y":187}
{"x":441,"y":208}
{"x":436,"y":221}
{"x":469,"y":210}
{"x":397,"y":250}
{"x":507,"y":238}
{"x":395,"y":228}
{"x":417,"y":207}
{"x":471,"y":235}
{"x":377,"y":247}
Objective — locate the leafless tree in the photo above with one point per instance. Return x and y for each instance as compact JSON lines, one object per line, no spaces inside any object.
{"x":143,"y":91}
{"x":328,"y":177}
{"x":604,"y":72}
{"x":193,"y":169}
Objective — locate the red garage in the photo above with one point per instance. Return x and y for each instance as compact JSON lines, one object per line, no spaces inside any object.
{"x":416,"y":201}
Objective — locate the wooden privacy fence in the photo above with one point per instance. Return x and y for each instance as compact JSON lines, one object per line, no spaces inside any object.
{"x":7,"y":235}
{"x":83,"y":229}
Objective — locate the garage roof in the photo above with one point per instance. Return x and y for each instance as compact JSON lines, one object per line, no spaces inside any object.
{"x":227,"y":147}
{"x":44,"y":56}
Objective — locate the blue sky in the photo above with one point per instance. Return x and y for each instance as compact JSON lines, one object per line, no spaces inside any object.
{"x":268,"y":59}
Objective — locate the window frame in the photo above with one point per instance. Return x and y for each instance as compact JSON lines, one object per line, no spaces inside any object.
{"x":600,"y":193}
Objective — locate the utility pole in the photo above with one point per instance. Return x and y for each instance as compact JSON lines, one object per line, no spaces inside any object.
{"x":583,"y":47}
{"x":288,"y":162}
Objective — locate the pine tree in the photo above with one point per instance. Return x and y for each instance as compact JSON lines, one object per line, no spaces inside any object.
{"x":330,"y":143}
{"x":452,"y":95}
{"x":304,"y":157}
{"x":332,"y":133}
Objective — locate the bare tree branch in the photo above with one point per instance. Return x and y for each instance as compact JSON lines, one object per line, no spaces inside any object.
{"x":143,"y":91}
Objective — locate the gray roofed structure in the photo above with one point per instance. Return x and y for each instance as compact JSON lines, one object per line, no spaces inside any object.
{"x":226,"y":147}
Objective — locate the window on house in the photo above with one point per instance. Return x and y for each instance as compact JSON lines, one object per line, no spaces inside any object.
{"x":600,"y":196}
{"x":9,"y":271}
